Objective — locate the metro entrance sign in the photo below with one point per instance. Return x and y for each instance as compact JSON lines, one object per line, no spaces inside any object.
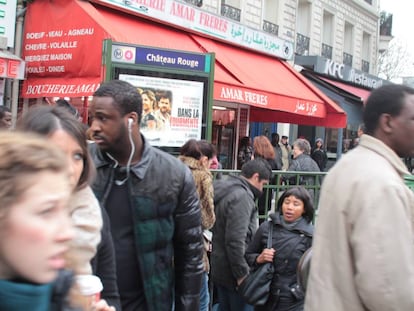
{"x":141,"y":55}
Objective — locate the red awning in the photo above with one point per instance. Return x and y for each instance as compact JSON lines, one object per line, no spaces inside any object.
{"x":361,"y":93}
{"x":274,"y":90}
{"x":63,"y":52}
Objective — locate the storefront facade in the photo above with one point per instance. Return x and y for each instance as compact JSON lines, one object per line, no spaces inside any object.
{"x":349,"y":88}
{"x":249,"y":78}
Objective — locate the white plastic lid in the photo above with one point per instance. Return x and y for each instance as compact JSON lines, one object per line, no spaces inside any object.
{"x":89,"y":284}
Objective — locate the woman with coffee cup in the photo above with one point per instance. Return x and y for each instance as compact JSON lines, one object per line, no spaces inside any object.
{"x":35,"y":227}
{"x":63,"y":130}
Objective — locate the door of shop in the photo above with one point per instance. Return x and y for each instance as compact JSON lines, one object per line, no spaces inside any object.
{"x":224,"y":134}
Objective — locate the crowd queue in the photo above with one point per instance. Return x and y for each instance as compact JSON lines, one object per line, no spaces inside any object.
{"x":162,"y":234}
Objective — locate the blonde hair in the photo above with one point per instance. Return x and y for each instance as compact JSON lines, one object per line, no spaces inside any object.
{"x":22,"y":155}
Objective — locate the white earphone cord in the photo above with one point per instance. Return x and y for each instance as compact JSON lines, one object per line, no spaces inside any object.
{"x":131,"y":155}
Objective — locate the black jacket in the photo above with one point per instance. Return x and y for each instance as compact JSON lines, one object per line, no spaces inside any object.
{"x":290,"y":244}
{"x":320,"y":157}
{"x":278,"y":157}
{"x":103,"y":264}
{"x":167,"y":226}
{"x":236,"y":223}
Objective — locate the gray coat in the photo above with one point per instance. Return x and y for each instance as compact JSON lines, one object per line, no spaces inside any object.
{"x":304,"y":163}
{"x":236,"y":223}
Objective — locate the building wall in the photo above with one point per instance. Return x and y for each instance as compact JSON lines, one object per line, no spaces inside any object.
{"x":252,"y":14}
{"x":363,"y":16}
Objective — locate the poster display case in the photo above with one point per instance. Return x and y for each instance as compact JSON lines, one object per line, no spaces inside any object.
{"x":178,"y":84}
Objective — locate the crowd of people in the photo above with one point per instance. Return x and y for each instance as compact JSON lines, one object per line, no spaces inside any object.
{"x":162,"y":233}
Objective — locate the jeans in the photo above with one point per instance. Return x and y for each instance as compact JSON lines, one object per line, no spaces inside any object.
{"x":204,"y":293}
{"x":230,"y":300}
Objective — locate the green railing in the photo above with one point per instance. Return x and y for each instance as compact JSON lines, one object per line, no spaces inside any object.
{"x":409,"y":181}
{"x":274,"y":190}
{"x":280,"y":182}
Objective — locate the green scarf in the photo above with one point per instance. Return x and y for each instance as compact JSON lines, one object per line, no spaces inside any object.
{"x":24,"y":296}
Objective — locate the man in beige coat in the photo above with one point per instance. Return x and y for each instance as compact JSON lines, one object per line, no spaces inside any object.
{"x":363,"y":247}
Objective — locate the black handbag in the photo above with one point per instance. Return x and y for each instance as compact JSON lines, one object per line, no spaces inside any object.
{"x":303,"y":269}
{"x":255,"y":288}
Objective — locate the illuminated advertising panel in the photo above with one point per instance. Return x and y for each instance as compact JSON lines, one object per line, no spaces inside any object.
{"x":172,"y":109}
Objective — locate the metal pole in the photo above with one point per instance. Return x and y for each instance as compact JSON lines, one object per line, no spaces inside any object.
{"x":340,"y":144}
{"x":17,"y":52}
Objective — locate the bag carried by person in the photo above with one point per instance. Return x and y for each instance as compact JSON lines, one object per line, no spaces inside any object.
{"x":303,"y":269}
{"x":255,"y":288}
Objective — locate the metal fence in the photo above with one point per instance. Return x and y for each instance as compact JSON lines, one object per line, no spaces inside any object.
{"x":273,"y":191}
{"x":281,"y":181}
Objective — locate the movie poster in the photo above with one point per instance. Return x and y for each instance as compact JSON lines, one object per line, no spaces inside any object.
{"x":172,"y":109}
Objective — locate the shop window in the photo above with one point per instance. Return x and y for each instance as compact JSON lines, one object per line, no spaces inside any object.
{"x":244,"y":124}
{"x":223,"y":136}
{"x":349,"y":139}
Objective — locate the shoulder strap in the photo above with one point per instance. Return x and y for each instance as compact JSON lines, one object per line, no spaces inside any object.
{"x":270,"y":235}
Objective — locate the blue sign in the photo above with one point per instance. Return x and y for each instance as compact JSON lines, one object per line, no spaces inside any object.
{"x":171,"y":59}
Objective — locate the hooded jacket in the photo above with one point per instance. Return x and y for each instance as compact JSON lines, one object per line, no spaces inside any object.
{"x":236,"y":223}
{"x":167,"y":226}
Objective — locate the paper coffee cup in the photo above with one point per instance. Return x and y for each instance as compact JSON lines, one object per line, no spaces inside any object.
{"x":90,"y":286}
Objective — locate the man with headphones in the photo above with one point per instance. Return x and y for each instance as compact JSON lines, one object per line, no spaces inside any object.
{"x":151,"y":200}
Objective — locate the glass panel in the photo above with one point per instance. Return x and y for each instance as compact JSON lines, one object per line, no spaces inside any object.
{"x":302,"y":44}
{"x":223,"y":136}
{"x":326,"y":51}
{"x":230,"y":12}
{"x":198,"y":3}
{"x":365,"y":66}
{"x":270,"y":27}
{"x":347,"y":59}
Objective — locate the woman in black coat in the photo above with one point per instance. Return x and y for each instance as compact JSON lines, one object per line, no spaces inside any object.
{"x":292,"y":236}
{"x":319,"y":154}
